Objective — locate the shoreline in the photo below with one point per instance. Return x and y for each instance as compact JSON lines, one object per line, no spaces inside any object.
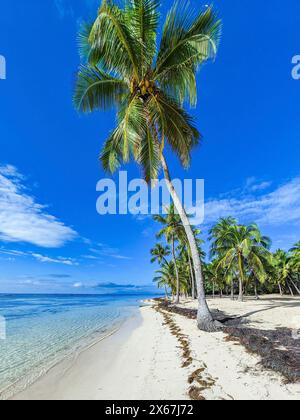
{"x":59,"y":369}
{"x":117,"y":365}
{"x":64,"y":357}
{"x":158,"y":355}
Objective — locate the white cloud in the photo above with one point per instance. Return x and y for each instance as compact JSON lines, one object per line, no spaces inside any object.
{"x":58,"y":260}
{"x":253,"y":186}
{"x":103,"y":250}
{"x":39,"y":257}
{"x":78,"y":285}
{"x":22,"y":219}
{"x":278,"y":207}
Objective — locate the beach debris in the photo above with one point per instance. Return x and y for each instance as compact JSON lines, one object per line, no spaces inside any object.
{"x":278,"y":350}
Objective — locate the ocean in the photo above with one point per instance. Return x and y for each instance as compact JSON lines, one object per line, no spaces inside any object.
{"x":41,"y":330}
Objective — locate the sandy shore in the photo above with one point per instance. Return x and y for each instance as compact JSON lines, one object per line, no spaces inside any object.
{"x":143,"y":360}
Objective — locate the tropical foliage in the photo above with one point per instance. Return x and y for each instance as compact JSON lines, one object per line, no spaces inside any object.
{"x":241,"y":262}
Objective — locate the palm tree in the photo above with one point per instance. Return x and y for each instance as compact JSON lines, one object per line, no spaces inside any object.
{"x":220,"y":229}
{"x":122,"y":69}
{"x":283,"y":269}
{"x":172,"y":231}
{"x":241,"y":249}
{"x":160,"y":253}
{"x":166,"y":277}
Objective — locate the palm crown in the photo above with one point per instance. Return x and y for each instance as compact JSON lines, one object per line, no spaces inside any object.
{"x":122,"y":68}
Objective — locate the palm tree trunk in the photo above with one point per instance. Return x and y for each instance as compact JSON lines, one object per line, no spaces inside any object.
{"x":166,"y":293}
{"x":255,"y":291}
{"x":204,"y":318}
{"x":192,"y":276}
{"x":241,"y":278}
{"x":176,"y":271}
{"x":213,"y":289}
{"x":295,"y":286}
{"x":232,"y":290}
{"x":289,"y":287}
{"x":280,"y":289}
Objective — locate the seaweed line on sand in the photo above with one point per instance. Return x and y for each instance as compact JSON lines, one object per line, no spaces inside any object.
{"x":196,"y":380}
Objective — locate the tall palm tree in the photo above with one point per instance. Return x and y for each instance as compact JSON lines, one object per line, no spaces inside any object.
{"x":160,"y":253}
{"x":172,"y":231}
{"x":242,"y":250}
{"x":122,"y":68}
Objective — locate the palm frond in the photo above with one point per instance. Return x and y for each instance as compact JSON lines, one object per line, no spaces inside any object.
{"x":149,"y":157}
{"x":142,"y":18}
{"x":97,"y":90}
{"x":189,"y":39}
{"x":111,"y":42}
{"x":175,"y":124}
{"x":84,"y":42}
{"x":126,"y":138}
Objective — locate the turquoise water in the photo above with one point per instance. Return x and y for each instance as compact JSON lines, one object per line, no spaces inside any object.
{"x":43,"y":329}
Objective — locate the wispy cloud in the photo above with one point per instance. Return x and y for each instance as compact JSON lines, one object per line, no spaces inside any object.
{"x":102,"y":250}
{"x":22,"y":219}
{"x":253,"y":185}
{"x":78,"y":285}
{"x":39,"y":257}
{"x":280,"y":206}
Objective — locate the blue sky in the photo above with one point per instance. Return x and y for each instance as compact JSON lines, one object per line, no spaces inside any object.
{"x":51,"y":237}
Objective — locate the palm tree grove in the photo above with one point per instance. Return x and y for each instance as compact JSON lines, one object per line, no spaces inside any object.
{"x":239,"y":262}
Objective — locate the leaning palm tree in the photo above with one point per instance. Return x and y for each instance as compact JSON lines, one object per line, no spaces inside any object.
{"x":123,"y":69}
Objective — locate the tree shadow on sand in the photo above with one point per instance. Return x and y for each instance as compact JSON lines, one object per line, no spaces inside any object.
{"x":279,"y":349}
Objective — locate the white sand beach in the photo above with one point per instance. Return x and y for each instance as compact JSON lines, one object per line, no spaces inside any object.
{"x":143,"y":360}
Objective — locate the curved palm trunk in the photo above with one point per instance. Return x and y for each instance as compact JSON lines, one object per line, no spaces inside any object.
{"x":176,"y":271}
{"x":289,"y":287}
{"x":295,"y":286}
{"x":280,"y":289}
{"x":192,"y":276}
{"x":204,"y":318}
